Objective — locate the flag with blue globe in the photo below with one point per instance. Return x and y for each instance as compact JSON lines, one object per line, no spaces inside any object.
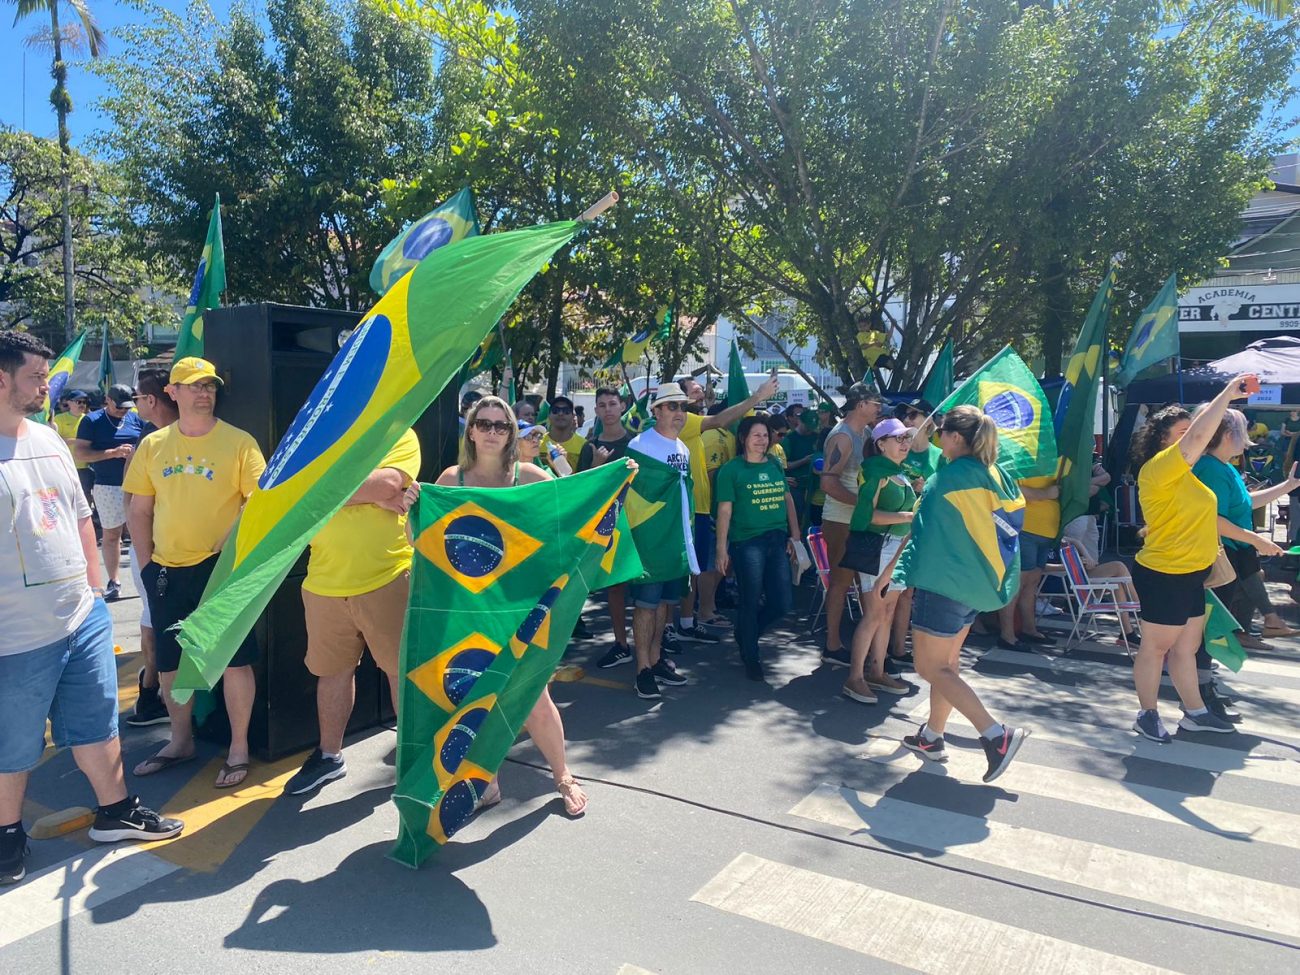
{"x":452,"y":221}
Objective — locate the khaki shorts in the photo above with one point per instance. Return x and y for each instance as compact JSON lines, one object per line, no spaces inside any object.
{"x":836,"y":535}
{"x":340,"y":628}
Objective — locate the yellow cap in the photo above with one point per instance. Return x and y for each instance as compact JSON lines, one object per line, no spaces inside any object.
{"x":192,"y":369}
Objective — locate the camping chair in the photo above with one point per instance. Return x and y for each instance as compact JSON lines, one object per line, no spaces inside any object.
{"x":1094,"y":597}
{"x":822,"y":563}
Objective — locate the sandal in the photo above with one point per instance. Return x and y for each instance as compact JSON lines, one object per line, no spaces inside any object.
{"x":158,"y":762}
{"x":239,"y":769}
{"x":575,"y":800}
{"x":491,"y":796}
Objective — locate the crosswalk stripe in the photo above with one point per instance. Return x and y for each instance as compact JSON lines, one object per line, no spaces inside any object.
{"x":1218,"y":895}
{"x":633,"y":970}
{"x":916,"y":934}
{"x":1117,"y":739}
{"x":1236,"y":821}
{"x":75,"y":885}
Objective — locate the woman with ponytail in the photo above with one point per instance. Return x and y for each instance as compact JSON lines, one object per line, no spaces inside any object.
{"x":962,"y":558}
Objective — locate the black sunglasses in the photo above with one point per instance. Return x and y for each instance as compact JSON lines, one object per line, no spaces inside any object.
{"x":561,"y":409}
{"x":493,"y":426}
{"x":672,"y":407}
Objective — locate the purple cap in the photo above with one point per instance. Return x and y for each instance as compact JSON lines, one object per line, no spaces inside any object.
{"x":889,"y":428}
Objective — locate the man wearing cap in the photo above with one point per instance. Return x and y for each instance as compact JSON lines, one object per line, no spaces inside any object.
{"x":76,"y":404}
{"x":564,"y":431}
{"x":839,"y":479}
{"x":105,"y":439}
{"x":923,"y":455}
{"x":354,"y":598}
{"x":188,"y":483}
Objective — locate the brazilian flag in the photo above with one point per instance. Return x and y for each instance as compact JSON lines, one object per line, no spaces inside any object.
{"x":1006,"y":390}
{"x":487,"y":356}
{"x":633,"y":348}
{"x":60,"y":373}
{"x":637,"y":419}
{"x":454,"y":220}
{"x":965,"y":541}
{"x":209,"y":282}
{"x":496,"y":587}
{"x":1221,"y":628}
{"x":1076,"y":410}
{"x":394,"y":364}
{"x":938,"y":385}
{"x":661,"y":513}
{"x":1155,"y":334}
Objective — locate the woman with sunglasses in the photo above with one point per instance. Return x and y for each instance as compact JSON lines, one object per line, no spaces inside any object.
{"x":962,"y":558}
{"x":489,"y":458}
{"x":880,"y":525}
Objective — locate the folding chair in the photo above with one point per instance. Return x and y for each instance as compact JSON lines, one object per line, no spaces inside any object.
{"x":822,"y":563}
{"x":1094,"y":597}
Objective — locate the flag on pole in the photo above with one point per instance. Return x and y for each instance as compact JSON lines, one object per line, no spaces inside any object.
{"x":60,"y":373}
{"x":413,"y":342}
{"x":1221,"y":628}
{"x":1006,"y":390}
{"x":737,"y":384}
{"x":209,"y":282}
{"x":1076,"y":410}
{"x":637,"y":419}
{"x":454,"y":220}
{"x":633,"y":348}
{"x":1155,"y":334}
{"x":497,"y":584}
{"x":938,"y":385}
{"x":107,"y":377}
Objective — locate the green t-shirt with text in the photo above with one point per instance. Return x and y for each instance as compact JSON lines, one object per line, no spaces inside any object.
{"x":757,"y":496}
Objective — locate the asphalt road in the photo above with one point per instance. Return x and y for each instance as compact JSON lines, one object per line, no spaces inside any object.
{"x":732,"y":827}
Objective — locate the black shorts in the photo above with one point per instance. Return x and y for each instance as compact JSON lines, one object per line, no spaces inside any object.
{"x":179,"y":596}
{"x":1170,"y":598}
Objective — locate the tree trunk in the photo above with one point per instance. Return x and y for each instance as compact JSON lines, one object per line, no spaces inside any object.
{"x":555,"y":333}
{"x":1056,"y":308}
{"x":59,"y":98}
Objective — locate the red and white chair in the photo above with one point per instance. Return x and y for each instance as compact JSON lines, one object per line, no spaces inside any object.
{"x":1094,"y":597}
{"x":821,"y":562}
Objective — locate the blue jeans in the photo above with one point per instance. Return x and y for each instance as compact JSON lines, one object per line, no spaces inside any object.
{"x":762,"y":572}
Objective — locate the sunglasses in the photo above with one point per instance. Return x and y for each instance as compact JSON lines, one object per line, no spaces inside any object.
{"x":673,"y":407}
{"x":534,"y":437}
{"x":899,"y":438}
{"x":493,"y":426}
{"x":561,"y":409}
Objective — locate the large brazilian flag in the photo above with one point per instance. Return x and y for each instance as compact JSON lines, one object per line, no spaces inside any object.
{"x":209,"y":282}
{"x":1005,"y":389}
{"x":413,"y":342}
{"x":661,"y":514}
{"x":1076,"y":410}
{"x":60,"y":372}
{"x":454,"y":220}
{"x":496,"y":587}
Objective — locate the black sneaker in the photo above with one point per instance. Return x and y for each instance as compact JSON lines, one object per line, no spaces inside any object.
{"x":618,"y":654}
{"x":13,"y":851}
{"x":137,"y":823}
{"x":112,"y":591}
{"x":149,"y":707}
{"x":580,"y":631}
{"x":1002,"y":750}
{"x":935,"y":751}
{"x":1209,"y":721}
{"x":837,"y":658}
{"x":670,"y":644}
{"x":646,"y":686}
{"x":1219,"y":704}
{"x":666,"y":673}
{"x":315,"y":772}
{"x":694,"y":634}
{"x":754,"y":672}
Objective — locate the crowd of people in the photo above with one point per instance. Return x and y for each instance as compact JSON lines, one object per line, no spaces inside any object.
{"x":920,"y":527}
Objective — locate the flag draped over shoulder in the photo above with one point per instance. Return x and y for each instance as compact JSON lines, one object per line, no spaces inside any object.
{"x":391,"y":368}
{"x":107,"y":377}
{"x":1007,"y":391}
{"x":454,"y":220}
{"x":1154,"y":336}
{"x":209,"y":282}
{"x":965,"y":541}
{"x":1221,"y":627}
{"x":633,"y":348}
{"x":60,"y":373}
{"x":938,"y":385}
{"x":661,"y":513}
{"x":1076,"y":410}
{"x":496,"y":588}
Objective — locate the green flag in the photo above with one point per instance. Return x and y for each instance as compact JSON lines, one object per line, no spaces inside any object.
{"x":60,"y":375}
{"x":1155,"y":334}
{"x":209,"y":282}
{"x":107,"y":377}
{"x":938,"y":385}
{"x":394,"y":364}
{"x":1221,"y":628}
{"x":1076,"y":410}
{"x":637,"y":418}
{"x":661,"y":511}
{"x":633,"y":348}
{"x":1006,"y":390}
{"x":496,"y":587}
{"x":454,"y":220}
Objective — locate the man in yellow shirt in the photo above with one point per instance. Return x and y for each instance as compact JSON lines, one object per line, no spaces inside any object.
{"x":355,"y":594}
{"x":188,"y":482}
{"x":1037,"y":539}
{"x":563,"y":431}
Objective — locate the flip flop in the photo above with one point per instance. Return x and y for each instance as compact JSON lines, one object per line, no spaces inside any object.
{"x":228,"y":769}
{"x":158,"y":763}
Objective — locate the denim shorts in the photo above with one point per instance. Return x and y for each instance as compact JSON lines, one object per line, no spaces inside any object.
{"x":1035,"y":551}
{"x":939,"y":615}
{"x":651,"y":595}
{"x":705,"y":550}
{"x":73,"y":682}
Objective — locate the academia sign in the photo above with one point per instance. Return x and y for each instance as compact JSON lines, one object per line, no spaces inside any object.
{"x":1228,"y":308}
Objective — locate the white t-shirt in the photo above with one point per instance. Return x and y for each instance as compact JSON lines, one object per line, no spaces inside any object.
{"x":677,"y":455}
{"x":44,"y":595}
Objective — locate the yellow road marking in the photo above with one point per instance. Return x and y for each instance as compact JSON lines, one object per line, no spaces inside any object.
{"x":604,"y":682}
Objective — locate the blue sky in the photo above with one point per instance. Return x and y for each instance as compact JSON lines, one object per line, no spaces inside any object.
{"x":32,"y":109}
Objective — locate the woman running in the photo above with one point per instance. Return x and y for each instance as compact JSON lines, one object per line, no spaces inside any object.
{"x":962,"y":558}
{"x":1179,"y":548}
{"x":881,"y":522}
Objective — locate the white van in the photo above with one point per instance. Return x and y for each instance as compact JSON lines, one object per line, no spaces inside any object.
{"x":794,"y":389}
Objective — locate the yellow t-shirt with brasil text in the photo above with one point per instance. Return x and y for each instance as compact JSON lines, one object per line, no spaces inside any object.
{"x":1181,"y":514}
{"x":364,"y":547}
{"x":199,"y":485}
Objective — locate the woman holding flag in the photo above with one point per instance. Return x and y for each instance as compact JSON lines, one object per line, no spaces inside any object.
{"x":962,"y":558}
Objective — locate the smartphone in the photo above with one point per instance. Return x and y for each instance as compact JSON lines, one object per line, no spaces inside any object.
{"x":1249,"y":386}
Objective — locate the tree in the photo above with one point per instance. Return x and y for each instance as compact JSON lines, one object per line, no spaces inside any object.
{"x":85,"y":32}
